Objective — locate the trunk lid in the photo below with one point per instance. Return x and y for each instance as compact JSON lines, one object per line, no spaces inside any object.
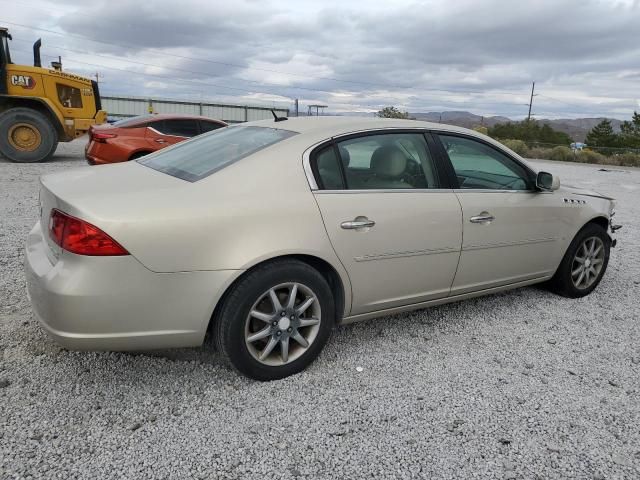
{"x":111,"y":197}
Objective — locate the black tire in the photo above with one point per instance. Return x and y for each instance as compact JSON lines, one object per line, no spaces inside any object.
{"x":230,"y":319}
{"x":562,"y":282}
{"x":38,"y":122}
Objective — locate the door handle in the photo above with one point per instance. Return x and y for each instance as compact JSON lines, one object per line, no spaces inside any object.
{"x":358,"y":222}
{"x":484,"y":217}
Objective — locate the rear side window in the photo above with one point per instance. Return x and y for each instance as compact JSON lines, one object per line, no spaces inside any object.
{"x":209,"y":126}
{"x":328,"y":168}
{"x":377,"y":161}
{"x":178,"y":128}
{"x":204,"y":155}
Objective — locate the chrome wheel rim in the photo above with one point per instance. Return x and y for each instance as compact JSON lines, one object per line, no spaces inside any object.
{"x":587,"y":263}
{"x":282,"y":324}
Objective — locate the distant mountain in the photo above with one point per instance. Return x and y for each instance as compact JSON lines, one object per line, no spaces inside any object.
{"x":461,"y":119}
{"x":576,"y":128}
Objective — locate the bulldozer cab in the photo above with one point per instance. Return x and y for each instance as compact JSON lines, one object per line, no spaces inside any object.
{"x":41,"y":106}
{"x":5,"y":58}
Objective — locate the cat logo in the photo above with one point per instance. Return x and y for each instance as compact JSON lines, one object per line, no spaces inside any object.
{"x":24,"y":81}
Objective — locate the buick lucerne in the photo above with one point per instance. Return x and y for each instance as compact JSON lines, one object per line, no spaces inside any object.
{"x":265,"y":235}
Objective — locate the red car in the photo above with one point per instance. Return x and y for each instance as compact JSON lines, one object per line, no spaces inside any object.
{"x":138,"y":136}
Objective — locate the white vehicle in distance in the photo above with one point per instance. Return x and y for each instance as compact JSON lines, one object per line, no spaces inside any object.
{"x":268,"y":234}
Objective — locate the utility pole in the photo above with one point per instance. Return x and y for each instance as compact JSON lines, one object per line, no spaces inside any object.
{"x":98,"y":77}
{"x":533,"y":87}
{"x":296,"y":106}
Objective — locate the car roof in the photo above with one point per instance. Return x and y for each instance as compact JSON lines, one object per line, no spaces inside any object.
{"x":336,"y":125}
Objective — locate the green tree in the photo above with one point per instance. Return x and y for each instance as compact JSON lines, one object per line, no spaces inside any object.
{"x":630,"y":132}
{"x":602,"y":135}
{"x":530,"y":132}
{"x":481,"y":129}
{"x":392,"y":112}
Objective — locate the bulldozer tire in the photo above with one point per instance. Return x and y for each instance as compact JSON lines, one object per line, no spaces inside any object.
{"x":26,"y":136}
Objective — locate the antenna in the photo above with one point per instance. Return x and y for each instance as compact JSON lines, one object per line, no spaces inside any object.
{"x":276,"y":118}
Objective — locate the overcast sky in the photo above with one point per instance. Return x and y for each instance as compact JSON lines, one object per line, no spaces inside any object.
{"x":354,"y":56}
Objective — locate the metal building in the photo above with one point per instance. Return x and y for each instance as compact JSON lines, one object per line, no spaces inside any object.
{"x":125,"y":106}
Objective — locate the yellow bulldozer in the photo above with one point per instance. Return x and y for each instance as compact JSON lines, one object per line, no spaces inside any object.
{"x":40,"y":106}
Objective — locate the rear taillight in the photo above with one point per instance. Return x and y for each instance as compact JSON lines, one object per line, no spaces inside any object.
{"x":80,"y":237}
{"x":102,"y":137}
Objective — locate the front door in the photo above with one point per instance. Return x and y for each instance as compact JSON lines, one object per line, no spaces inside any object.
{"x":395,"y":229}
{"x":511,"y":231}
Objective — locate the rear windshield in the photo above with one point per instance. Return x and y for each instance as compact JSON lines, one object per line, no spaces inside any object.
{"x":203,"y":155}
{"x":132,"y":121}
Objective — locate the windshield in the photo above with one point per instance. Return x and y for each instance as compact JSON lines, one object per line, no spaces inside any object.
{"x":203,"y":155}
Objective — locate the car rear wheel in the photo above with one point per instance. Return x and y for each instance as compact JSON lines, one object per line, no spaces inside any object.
{"x":584,"y":263}
{"x":275,"y":320}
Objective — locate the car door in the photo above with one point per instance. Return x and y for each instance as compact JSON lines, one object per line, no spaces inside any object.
{"x":391,"y":217}
{"x":511,"y":232}
{"x":163,"y":133}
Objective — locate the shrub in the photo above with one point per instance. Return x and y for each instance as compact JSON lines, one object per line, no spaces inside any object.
{"x":517,"y":146}
{"x":481,"y":129}
{"x":627,"y":159}
{"x":540,"y":153}
{"x":562,"y":154}
{"x":589,"y":156}
{"x":611,"y":161}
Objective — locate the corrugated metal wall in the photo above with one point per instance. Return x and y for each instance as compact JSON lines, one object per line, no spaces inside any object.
{"x":119,"y":107}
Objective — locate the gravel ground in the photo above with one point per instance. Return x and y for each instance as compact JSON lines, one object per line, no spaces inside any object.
{"x":523,"y":384}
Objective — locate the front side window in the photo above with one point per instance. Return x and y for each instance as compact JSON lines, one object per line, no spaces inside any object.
{"x":69,"y":97}
{"x":378,"y":162}
{"x":200,"y":157}
{"x":479,"y":166}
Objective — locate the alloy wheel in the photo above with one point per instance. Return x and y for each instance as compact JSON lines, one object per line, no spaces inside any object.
{"x":587,"y":263}
{"x":282,"y":324}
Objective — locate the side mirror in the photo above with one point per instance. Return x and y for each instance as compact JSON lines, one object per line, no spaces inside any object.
{"x":547,"y":182}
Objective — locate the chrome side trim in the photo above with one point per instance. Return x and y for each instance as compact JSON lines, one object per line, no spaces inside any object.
{"x":306,"y":164}
{"x":508,"y":244}
{"x":386,"y":190}
{"x":488,"y":190}
{"x":440,"y":301}
{"x":384,"y":256}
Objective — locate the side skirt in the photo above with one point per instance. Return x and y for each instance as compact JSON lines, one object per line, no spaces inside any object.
{"x":441,"y":301}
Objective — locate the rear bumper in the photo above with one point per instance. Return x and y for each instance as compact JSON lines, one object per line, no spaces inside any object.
{"x":115,"y":303}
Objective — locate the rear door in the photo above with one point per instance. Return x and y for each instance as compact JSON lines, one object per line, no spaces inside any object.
{"x":512,"y":232}
{"x":163,"y":133}
{"x":390,"y":216}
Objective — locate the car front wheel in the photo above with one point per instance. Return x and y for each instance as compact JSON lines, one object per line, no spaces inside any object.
{"x":584,"y":263}
{"x":275,"y":320}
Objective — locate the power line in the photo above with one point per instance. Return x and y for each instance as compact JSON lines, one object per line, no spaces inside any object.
{"x":160,"y":52}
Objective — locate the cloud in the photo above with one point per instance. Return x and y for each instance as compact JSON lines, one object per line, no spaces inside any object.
{"x":354,"y":56}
